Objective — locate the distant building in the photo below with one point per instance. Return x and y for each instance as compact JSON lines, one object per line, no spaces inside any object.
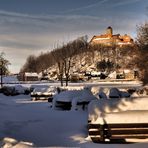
{"x":28,"y":76}
{"x":110,"y":39}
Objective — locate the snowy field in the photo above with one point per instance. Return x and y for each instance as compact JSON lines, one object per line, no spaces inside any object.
{"x":38,"y":123}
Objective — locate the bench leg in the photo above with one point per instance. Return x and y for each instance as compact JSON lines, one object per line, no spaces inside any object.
{"x":83,"y":106}
{"x":102,"y":136}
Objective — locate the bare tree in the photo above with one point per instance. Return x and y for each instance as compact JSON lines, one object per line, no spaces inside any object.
{"x":44,"y":61}
{"x":30,"y":65}
{"x":74,"y":48}
{"x":4,"y":64}
{"x":62,"y":56}
{"x":58,"y":58}
{"x":65,"y":55}
{"x":142,"y":42}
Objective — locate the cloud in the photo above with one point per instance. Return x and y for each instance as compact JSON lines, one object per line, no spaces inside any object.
{"x":23,"y":34}
{"x":86,"y":7}
{"x":36,"y":31}
{"x":122,"y":3}
{"x":16,"y":57}
{"x":42,"y":18}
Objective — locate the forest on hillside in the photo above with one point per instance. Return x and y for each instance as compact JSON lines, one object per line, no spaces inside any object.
{"x":81,"y":51}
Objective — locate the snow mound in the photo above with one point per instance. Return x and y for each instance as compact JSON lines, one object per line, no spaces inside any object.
{"x":100,"y":90}
{"x":106,"y":93}
{"x":74,"y":96}
{"x":132,"y":116}
{"x":97,"y":107}
{"x":10,"y":79}
{"x":20,"y":89}
{"x":15,"y":90}
{"x":114,"y":93}
{"x":13,"y":143}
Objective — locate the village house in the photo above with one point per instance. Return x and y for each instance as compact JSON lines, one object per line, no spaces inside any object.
{"x":110,"y":39}
{"x":28,"y":76}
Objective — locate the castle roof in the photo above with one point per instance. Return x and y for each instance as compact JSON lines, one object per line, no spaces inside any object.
{"x":108,"y":39}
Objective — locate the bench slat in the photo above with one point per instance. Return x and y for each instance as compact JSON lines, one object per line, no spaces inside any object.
{"x":129,"y":136}
{"x":128,"y":131}
{"x":95,"y":126}
{"x":117,"y":131}
{"x":127,"y":125}
{"x":38,"y":96}
{"x":94,"y":133}
{"x":96,"y":139}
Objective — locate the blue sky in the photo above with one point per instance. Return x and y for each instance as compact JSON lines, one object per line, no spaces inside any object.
{"x":35,"y":26}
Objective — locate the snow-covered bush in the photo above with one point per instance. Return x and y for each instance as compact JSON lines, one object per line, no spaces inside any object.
{"x":124,"y":94}
{"x":102,"y":95}
{"x":9,"y":90}
{"x":114,"y":93}
{"x":15,"y":90}
{"x":143,"y":91}
{"x":96,"y":90}
{"x":21,"y":89}
{"x":10,"y":143}
{"x":106,"y":93}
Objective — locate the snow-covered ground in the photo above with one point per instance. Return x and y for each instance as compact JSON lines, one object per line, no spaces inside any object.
{"x":38,"y":123}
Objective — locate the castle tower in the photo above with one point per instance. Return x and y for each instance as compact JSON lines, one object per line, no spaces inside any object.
{"x":109,"y":31}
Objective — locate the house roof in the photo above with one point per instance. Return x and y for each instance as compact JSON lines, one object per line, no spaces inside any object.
{"x":31,"y":74}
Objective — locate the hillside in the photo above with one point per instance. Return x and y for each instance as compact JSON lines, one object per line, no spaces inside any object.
{"x":79,"y":57}
{"x":93,"y":61}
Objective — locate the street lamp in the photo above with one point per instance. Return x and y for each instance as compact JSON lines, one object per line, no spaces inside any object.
{"x":1,"y":72}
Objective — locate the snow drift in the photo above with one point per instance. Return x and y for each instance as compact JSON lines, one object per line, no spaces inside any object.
{"x":98,"y":107}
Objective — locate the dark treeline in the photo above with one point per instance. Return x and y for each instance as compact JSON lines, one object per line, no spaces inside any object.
{"x":73,"y":52}
{"x":46,"y":60}
{"x":66,"y":54}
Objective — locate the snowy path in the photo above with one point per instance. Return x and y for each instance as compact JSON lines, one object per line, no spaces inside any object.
{"x":36,"y":122}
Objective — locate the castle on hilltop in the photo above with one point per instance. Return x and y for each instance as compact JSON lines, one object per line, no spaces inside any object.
{"x":110,"y":39}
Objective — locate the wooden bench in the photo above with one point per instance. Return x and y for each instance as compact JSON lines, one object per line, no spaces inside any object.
{"x":83,"y":104}
{"x":63,"y":105}
{"x":68,"y":105}
{"x":99,"y":133}
{"x":48,"y":97}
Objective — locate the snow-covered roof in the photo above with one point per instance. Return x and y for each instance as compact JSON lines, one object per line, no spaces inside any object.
{"x":31,"y":74}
